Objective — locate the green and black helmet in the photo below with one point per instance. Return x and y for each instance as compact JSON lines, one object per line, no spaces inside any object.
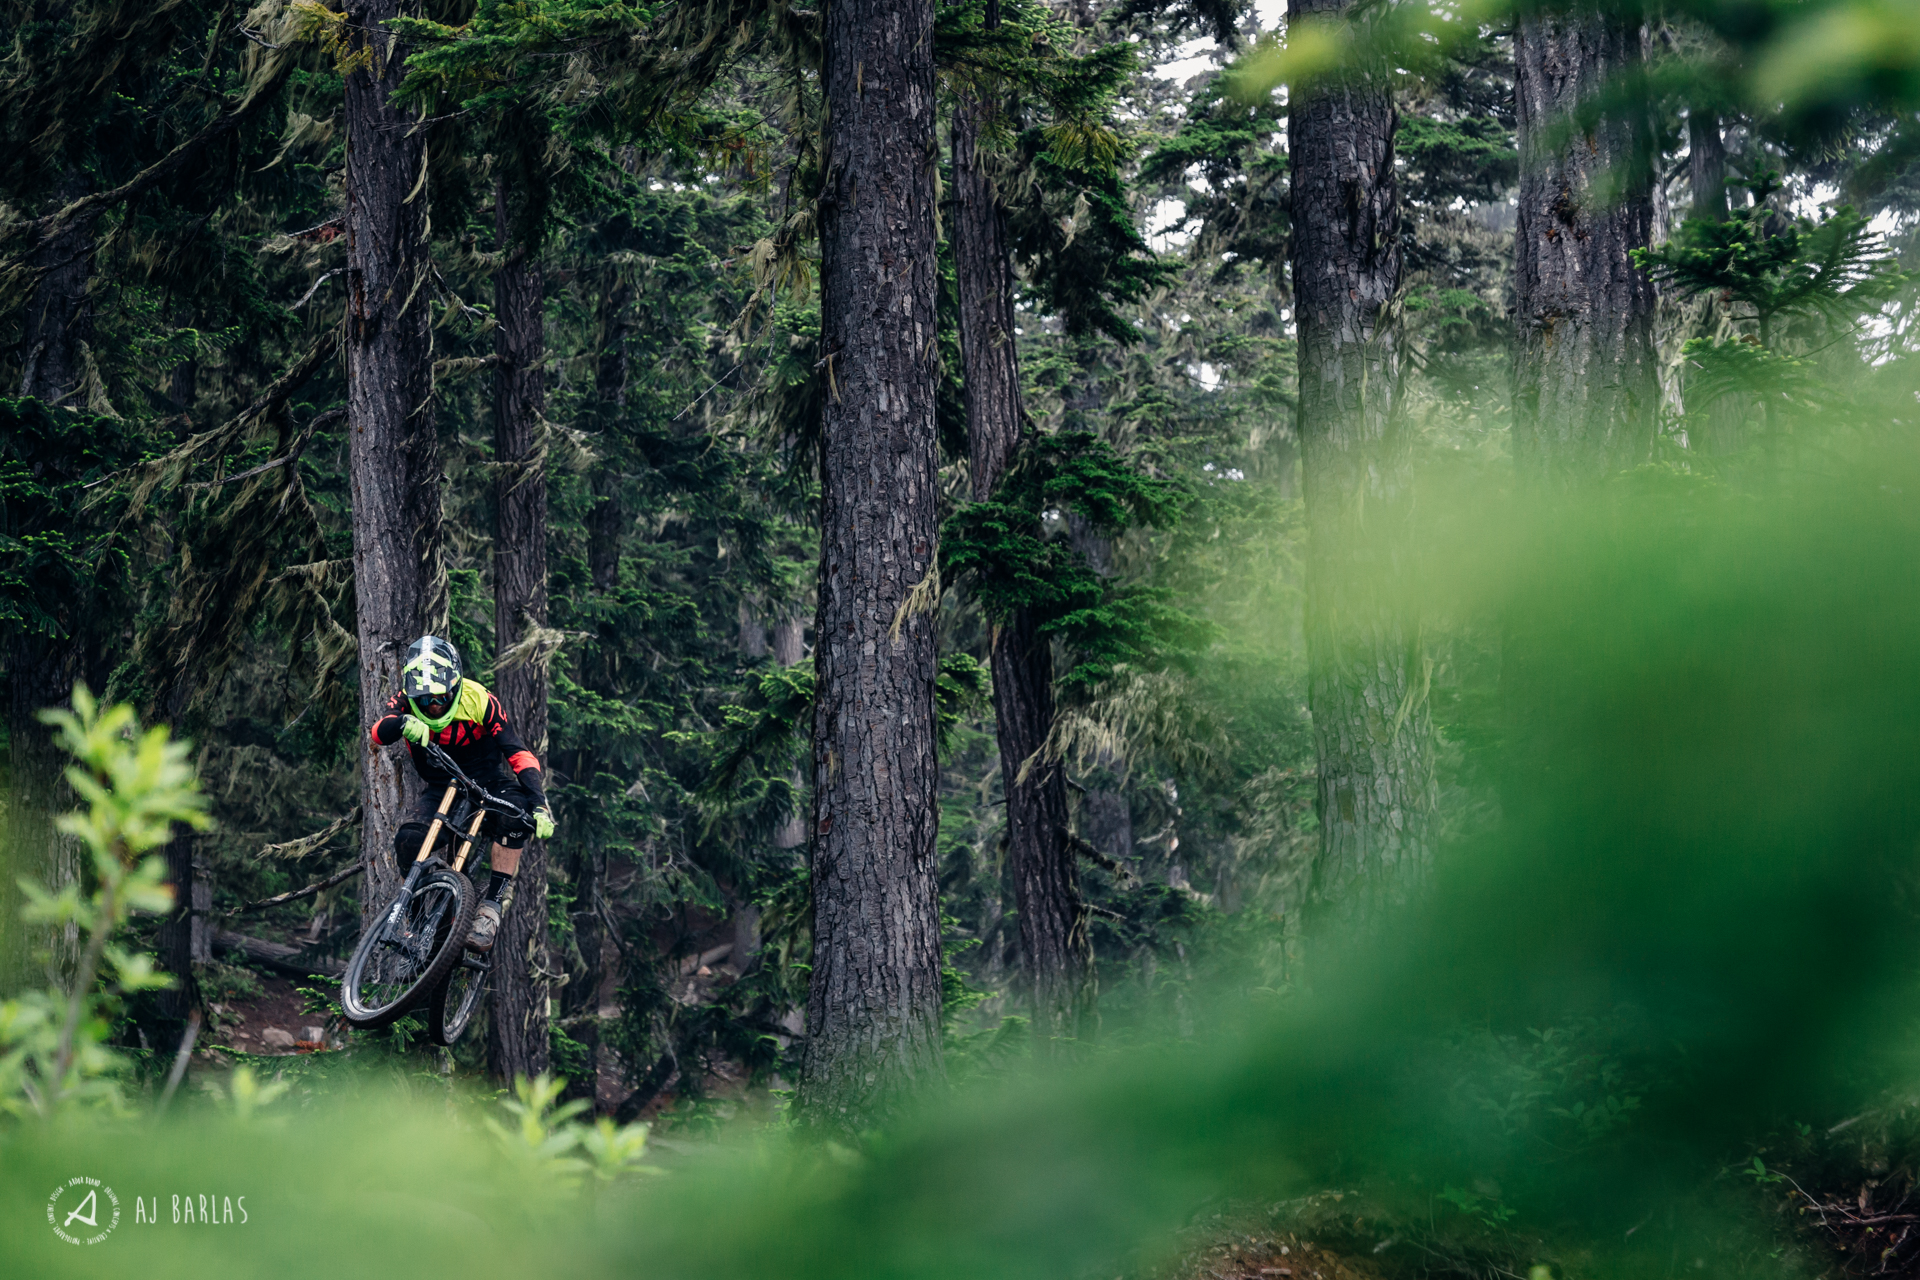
{"x":430,"y":678}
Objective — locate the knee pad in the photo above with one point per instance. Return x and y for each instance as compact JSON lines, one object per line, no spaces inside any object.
{"x":406,"y":843}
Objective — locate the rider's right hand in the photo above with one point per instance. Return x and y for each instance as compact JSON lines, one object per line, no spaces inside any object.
{"x":415,"y":730}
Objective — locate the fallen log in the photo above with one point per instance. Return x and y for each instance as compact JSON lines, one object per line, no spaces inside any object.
{"x":277,"y":956}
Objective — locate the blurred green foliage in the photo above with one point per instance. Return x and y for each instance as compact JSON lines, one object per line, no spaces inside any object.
{"x":134,"y":787}
{"x":1692,"y":927}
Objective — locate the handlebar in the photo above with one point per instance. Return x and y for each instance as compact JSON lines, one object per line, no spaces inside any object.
{"x":473,"y":790}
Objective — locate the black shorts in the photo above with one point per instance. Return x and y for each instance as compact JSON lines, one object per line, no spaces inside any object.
{"x":496,"y":829}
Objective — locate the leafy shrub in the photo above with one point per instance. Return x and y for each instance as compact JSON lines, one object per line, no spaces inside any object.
{"x":53,"y":1051}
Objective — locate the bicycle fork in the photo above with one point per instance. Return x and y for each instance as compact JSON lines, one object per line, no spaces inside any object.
{"x":414,"y":871}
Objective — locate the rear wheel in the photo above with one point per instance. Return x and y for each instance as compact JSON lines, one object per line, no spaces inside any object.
{"x":404,"y":957}
{"x":451,"y":1011}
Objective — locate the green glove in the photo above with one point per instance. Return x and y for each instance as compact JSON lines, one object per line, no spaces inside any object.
{"x":414,"y":729}
{"x":543,"y":823}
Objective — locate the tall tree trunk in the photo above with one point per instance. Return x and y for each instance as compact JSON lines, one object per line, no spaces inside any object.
{"x":1707,"y":164}
{"x":606,"y":525}
{"x":790,"y":640}
{"x":1721,"y":428}
{"x":984,"y":276}
{"x":873,"y":1009}
{"x":1106,"y":814}
{"x":608,"y":520}
{"x":40,"y":673}
{"x":1586,"y":389}
{"x":59,"y":319}
{"x":42,"y":670}
{"x":1053,"y":921}
{"x":517,"y":1037}
{"x":580,"y":998}
{"x":183,"y":939}
{"x":753,"y":631}
{"x":1367,"y":674}
{"x":1585,"y":360}
{"x":183,"y":380}
{"x":393,"y":453}
{"x":789,"y":647}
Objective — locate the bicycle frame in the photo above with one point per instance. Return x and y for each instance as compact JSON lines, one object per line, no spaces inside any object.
{"x":483,"y":804}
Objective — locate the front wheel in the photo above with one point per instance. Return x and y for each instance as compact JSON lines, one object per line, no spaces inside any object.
{"x":404,"y":957}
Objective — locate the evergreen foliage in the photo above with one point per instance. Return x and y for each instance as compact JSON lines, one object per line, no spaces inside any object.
{"x":176,"y":530}
{"x":1828,"y":270}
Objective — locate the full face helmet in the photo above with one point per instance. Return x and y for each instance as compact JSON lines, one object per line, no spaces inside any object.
{"x":430,"y":678}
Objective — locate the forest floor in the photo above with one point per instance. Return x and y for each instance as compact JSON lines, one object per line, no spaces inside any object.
{"x":1281,"y":1256}
{"x":271,"y":1023}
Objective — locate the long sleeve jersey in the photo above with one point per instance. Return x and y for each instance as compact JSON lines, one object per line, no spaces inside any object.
{"x":479,"y":740}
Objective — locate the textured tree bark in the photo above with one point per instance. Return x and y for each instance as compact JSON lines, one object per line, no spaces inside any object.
{"x":753,"y":631}
{"x":1722,"y":428}
{"x":59,"y":320}
{"x":1054,"y":940}
{"x":183,"y":938}
{"x":400,"y":583}
{"x":1054,"y":937}
{"x":789,"y":640}
{"x":40,"y":674}
{"x":517,"y":1033}
{"x":1707,"y":164}
{"x":789,"y":647}
{"x":1586,"y":389}
{"x":1367,"y":674}
{"x":608,"y":521}
{"x":606,"y":525}
{"x":580,"y":998}
{"x":984,"y":276}
{"x":873,"y":1009}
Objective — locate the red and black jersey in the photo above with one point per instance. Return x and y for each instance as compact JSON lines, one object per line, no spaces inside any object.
{"x":478,"y":738}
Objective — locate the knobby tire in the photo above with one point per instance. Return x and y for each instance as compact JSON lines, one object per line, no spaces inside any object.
{"x":455,"y":1001}
{"x":417,"y":982}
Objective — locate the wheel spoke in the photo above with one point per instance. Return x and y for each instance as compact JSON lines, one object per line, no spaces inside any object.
{"x":405,"y":952}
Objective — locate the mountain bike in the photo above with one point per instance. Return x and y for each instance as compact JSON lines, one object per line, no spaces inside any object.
{"x":414,"y":953}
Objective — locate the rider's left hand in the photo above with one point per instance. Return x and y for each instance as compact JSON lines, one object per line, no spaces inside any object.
{"x":543,"y":825}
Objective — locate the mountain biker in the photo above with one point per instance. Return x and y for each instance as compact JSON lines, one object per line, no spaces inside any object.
{"x":437,"y":703}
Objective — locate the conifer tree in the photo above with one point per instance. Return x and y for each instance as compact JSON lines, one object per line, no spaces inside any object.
{"x":97,"y":112}
{"x":59,"y":314}
{"x":1789,"y":288}
{"x":517,"y":1032}
{"x":1706,"y":163}
{"x":1586,"y":394}
{"x":399,"y":579}
{"x":1054,"y":942}
{"x":1368,"y":674}
{"x":59,"y":603}
{"x":874,"y":1008}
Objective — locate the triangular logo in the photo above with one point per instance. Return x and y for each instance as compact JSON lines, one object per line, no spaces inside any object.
{"x":85,"y":1212}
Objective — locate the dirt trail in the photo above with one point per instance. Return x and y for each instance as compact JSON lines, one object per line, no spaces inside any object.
{"x":243,"y":1023}
{"x":1283,"y":1256}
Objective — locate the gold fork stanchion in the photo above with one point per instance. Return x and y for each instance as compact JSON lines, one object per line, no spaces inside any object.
{"x":439,"y":820}
{"x":466,"y":846}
